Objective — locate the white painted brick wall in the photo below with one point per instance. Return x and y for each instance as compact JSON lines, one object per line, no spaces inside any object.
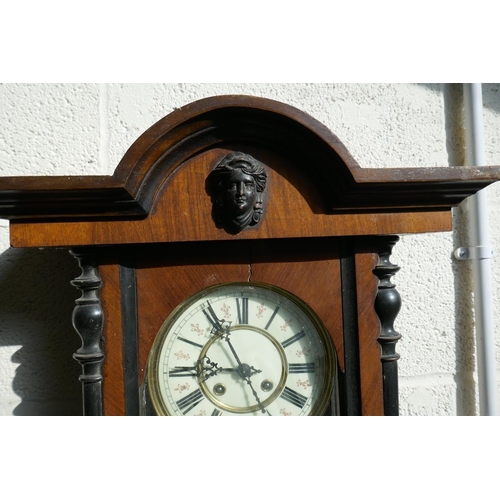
{"x":59,"y":129}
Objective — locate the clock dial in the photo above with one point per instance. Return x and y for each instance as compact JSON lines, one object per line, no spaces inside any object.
{"x":242,"y":349}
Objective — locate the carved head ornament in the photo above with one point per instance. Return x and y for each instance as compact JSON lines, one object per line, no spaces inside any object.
{"x":237,"y":186}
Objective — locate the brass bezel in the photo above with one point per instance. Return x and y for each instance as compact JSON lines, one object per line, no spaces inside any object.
{"x":330,"y":361}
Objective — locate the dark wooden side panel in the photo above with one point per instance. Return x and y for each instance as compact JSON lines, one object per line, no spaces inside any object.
{"x":349,"y":380}
{"x":128,"y":288}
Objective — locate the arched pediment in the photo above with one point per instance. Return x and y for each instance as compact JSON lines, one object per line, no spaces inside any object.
{"x":263,"y":126}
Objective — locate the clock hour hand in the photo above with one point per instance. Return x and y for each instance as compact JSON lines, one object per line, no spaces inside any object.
{"x":254,"y":371}
{"x":206,"y":368}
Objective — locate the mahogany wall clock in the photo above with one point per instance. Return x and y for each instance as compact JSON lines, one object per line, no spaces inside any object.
{"x":237,"y":263}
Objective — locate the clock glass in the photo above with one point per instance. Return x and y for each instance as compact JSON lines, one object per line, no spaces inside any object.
{"x":242,"y":349}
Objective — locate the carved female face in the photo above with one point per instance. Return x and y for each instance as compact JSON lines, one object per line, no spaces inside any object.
{"x":241,"y":192}
{"x":237,"y":186}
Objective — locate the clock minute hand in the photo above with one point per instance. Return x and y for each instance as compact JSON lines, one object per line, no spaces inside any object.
{"x":255,"y":395}
{"x":240,"y":364}
{"x":219,"y":326}
{"x":245,"y":371}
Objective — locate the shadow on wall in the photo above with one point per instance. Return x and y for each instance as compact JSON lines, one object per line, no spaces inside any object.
{"x":36,"y":303}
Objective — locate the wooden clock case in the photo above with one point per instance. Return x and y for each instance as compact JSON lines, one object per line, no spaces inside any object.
{"x":146,"y":240}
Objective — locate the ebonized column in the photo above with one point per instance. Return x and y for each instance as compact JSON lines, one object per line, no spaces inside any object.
{"x":387,"y":306}
{"x":88,"y":322}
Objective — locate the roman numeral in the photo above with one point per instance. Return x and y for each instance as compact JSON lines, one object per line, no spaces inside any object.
{"x":216,"y":413}
{"x":242,"y":307}
{"x":272,"y":318}
{"x":212,"y":317}
{"x":293,"y":339}
{"x":301,"y":368}
{"x":293,"y":397}
{"x":187,"y":403}
{"x":190,"y":342}
{"x":183,"y":371}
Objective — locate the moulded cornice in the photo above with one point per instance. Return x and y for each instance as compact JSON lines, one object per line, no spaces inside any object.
{"x":219,"y":122}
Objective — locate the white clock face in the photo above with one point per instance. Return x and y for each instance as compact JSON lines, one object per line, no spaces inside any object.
{"x":242,"y":349}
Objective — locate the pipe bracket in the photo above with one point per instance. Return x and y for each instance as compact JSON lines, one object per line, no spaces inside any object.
{"x":473,"y":253}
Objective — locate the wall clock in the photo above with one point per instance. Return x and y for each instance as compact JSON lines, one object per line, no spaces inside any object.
{"x":237,"y":263}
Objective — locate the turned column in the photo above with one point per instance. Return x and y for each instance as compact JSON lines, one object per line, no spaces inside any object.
{"x":88,"y":322}
{"x":387,"y":306}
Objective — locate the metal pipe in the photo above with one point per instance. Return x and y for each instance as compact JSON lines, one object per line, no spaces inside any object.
{"x":480,"y":254}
